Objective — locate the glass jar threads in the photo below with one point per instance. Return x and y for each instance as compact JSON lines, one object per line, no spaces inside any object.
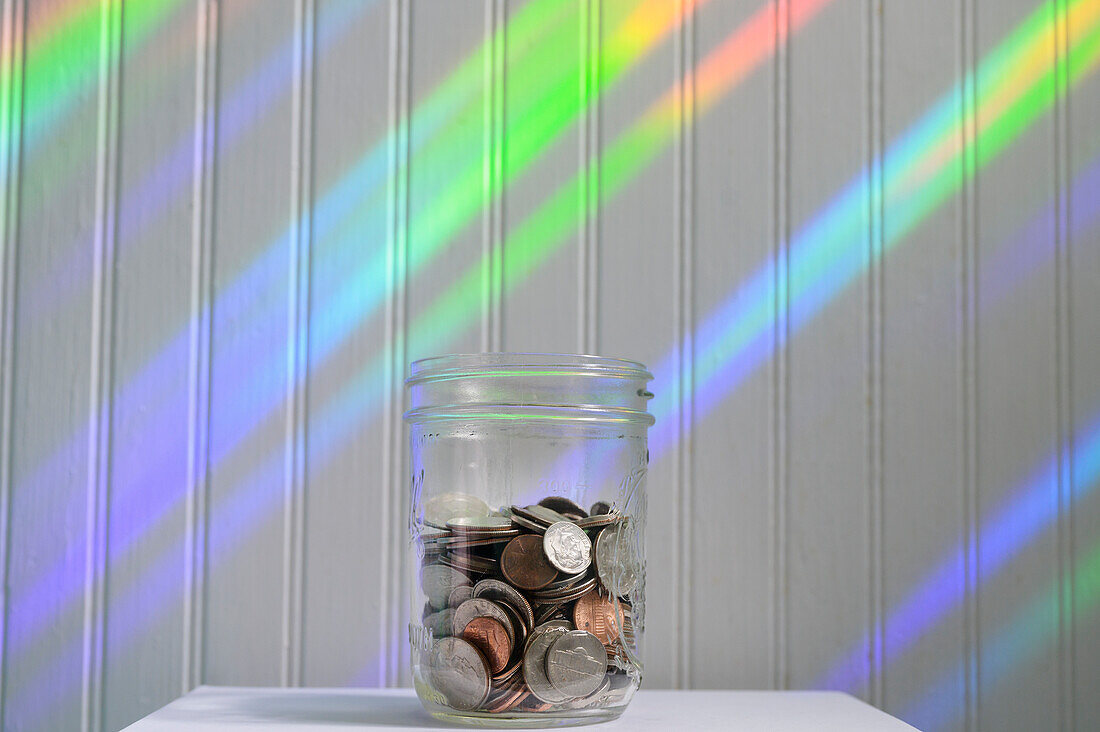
{"x":527,"y":530}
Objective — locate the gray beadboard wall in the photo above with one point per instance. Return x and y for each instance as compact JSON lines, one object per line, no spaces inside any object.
{"x":859,"y":243}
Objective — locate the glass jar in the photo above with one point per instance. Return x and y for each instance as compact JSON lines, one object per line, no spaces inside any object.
{"x":527,"y":528}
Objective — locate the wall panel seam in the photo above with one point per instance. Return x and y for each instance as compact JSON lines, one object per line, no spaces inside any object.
{"x":392,"y":562}
{"x":199,"y":366}
{"x":589,"y":220}
{"x":1063,"y":370}
{"x":13,"y":30}
{"x":968,"y":324}
{"x":684,"y":254}
{"x":875,"y":389}
{"x":298,"y":331}
{"x":492,"y":181}
{"x":779,"y":371}
{"x":101,"y":364}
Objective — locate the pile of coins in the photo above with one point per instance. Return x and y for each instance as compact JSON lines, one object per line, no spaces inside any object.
{"x":526,"y":606}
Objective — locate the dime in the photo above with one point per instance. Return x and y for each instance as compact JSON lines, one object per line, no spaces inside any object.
{"x":494,"y":589}
{"x":599,"y":616}
{"x":457,"y":670}
{"x":567,"y":547}
{"x":437,"y":581}
{"x":534,"y":663}
{"x":489,"y":637}
{"x":562,"y":505}
{"x":524,"y":563}
{"x":617,"y":562}
{"x":438,"y":510}
{"x":459,"y":595}
{"x":576,"y":663}
{"x":479,"y":607}
{"x":480,"y":524}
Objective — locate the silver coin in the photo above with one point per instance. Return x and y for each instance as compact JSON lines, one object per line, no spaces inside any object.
{"x":438,"y":510}
{"x":534,"y":663}
{"x":617,"y":560}
{"x":519,"y":626}
{"x":458,"y":671}
{"x":494,"y":589}
{"x":441,"y":623}
{"x":576,"y":663}
{"x":437,"y":581}
{"x":479,"y":524}
{"x":459,"y":595}
{"x":545,"y":515}
{"x":567,"y":547}
{"x":479,"y":607}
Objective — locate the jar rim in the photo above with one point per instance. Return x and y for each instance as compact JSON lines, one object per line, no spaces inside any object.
{"x":458,"y":365}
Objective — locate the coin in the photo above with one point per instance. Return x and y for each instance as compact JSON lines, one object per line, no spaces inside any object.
{"x":567,"y":547}
{"x":494,"y":589}
{"x":562,"y":505}
{"x":599,"y":507}
{"x":599,"y":616}
{"x":479,"y":524}
{"x":576,"y":663}
{"x":441,"y":623}
{"x":519,"y":628}
{"x":524,"y":563}
{"x":459,"y":595}
{"x":457,"y":670}
{"x":489,"y":637}
{"x":438,"y":510}
{"x":617,"y":562}
{"x":437,"y":581}
{"x":534,"y":663}
{"x":479,"y":607}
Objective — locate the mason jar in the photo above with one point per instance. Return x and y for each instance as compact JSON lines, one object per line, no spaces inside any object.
{"x":527,"y":536}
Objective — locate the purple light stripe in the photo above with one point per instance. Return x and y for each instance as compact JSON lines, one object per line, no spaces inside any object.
{"x":942,"y":590}
{"x":1022,"y":635}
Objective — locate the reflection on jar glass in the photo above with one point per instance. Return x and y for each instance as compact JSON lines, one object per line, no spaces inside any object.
{"x":527,"y":528}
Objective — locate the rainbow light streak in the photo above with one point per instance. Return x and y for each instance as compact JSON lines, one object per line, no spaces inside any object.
{"x":1034,"y":623}
{"x":62,"y":80}
{"x":28,"y":620}
{"x":830,"y":250}
{"x":257,"y":286}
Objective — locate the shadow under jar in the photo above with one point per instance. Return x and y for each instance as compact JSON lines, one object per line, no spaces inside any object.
{"x":527,"y":536}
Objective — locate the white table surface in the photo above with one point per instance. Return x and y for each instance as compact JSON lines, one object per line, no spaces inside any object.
{"x":232,"y":708}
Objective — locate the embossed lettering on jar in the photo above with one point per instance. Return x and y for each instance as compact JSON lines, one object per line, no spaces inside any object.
{"x":527,"y":534}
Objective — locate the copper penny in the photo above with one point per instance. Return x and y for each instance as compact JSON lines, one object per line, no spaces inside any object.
{"x":599,"y":616}
{"x":489,"y":637}
{"x":525,"y":565}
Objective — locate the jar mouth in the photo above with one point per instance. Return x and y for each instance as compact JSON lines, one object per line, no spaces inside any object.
{"x":528,"y":386}
{"x":462,"y":365}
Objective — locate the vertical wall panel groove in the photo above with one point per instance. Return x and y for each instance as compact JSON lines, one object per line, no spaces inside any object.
{"x":588,"y":236}
{"x":11,"y":119}
{"x":101,"y":361}
{"x":393,"y":564}
{"x":199,"y":345}
{"x":492,"y":175}
{"x":298,"y":329}
{"x":685,"y":276}
{"x":875,"y":335}
{"x":780,"y":372}
{"x":1064,"y":374}
{"x":968,"y":326}
{"x":1063,"y":371}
